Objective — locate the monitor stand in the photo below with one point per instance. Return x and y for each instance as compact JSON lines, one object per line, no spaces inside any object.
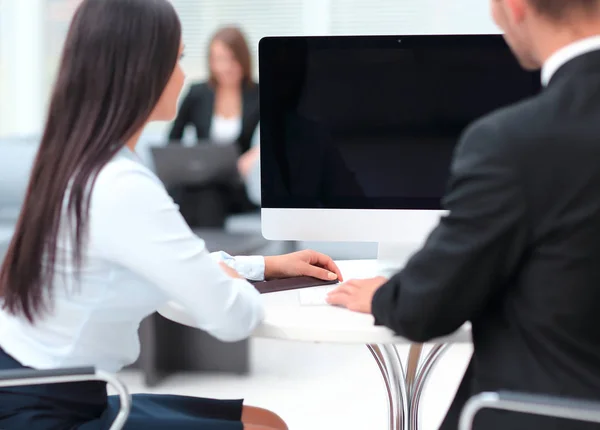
{"x":391,"y":257}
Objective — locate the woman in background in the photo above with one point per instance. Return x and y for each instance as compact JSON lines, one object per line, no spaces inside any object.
{"x":249,"y":168}
{"x":100,"y":245}
{"x":223,"y":111}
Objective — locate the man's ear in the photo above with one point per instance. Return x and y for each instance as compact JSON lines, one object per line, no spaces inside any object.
{"x":516,"y":9}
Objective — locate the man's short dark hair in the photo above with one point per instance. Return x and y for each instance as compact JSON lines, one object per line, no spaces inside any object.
{"x":558,"y":9}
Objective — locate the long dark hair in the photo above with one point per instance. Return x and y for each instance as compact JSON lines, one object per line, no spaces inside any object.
{"x":117,"y":60}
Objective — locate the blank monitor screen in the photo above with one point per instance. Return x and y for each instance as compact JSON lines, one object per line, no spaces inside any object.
{"x":371,"y":122}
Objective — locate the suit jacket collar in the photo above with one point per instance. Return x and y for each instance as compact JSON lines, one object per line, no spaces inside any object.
{"x":586,"y":63}
{"x":568,"y":53}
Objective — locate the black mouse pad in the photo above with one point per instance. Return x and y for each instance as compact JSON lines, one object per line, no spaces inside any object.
{"x":296,"y":283}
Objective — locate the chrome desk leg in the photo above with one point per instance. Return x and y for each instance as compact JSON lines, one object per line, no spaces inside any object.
{"x":404,"y":400}
{"x":422,"y":376}
{"x":412,"y":366}
{"x":393,"y":376}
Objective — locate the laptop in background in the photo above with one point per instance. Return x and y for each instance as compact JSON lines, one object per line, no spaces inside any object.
{"x":205,"y":163}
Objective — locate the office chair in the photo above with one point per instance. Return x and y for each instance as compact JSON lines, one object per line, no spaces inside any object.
{"x":549,"y":406}
{"x":17,"y":378}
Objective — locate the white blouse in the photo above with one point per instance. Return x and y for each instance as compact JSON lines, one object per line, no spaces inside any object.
{"x":140,"y":254}
{"x":225,"y":130}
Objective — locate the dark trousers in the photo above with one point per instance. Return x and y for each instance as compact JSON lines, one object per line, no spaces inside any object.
{"x":86,"y":406}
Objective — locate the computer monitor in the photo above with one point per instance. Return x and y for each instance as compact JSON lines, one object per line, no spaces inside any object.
{"x":358,"y":132}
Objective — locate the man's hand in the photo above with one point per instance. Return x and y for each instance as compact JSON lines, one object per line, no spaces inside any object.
{"x":303,"y":263}
{"x":356,"y":295}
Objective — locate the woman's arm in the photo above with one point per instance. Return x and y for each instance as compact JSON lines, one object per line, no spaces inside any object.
{"x":250,"y":117}
{"x":135,"y":224}
{"x":249,"y":168}
{"x":249,"y":267}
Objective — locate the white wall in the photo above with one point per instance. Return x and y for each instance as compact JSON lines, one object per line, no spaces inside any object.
{"x":21,"y":87}
{"x":4,"y":115}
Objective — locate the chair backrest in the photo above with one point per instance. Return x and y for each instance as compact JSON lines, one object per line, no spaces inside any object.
{"x":549,"y":406}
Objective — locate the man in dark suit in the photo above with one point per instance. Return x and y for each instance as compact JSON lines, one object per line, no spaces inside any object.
{"x":518,"y":254}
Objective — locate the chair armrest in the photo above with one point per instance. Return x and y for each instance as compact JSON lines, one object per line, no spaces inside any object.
{"x":21,"y":377}
{"x":550,"y":406}
{"x":10,"y":377}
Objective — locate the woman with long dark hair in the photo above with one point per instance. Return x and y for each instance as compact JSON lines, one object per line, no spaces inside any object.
{"x":100,"y":245}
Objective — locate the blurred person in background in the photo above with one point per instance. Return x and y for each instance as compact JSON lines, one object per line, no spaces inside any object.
{"x":100,"y":245}
{"x":249,"y":168}
{"x":223,"y":110}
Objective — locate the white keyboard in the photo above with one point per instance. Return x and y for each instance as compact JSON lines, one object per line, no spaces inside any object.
{"x":315,"y":296}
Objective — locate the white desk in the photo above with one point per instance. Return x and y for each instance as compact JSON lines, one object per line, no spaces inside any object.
{"x":287,"y":319}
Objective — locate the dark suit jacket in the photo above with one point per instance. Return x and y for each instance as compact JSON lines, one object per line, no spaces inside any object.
{"x":197,"y":109}
{"x":519,"y":253}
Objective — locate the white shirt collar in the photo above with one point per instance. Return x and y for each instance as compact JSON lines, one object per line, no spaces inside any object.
{"x":126,"y":152}
{"x":566,"y":54}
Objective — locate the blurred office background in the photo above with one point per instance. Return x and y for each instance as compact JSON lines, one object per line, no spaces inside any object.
{"x":311,"y":386}
{"x":32,"y":33}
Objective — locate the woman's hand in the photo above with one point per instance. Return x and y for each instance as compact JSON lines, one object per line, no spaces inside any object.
{"x":247,"y":161}
{"x":302,"y":263}
{"x":229,"y":271}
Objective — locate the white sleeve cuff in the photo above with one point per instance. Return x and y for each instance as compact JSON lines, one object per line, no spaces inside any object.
{"x":250,"y":267}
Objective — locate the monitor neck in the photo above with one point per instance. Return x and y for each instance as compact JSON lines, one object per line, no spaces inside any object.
{"x":395,"y":255}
